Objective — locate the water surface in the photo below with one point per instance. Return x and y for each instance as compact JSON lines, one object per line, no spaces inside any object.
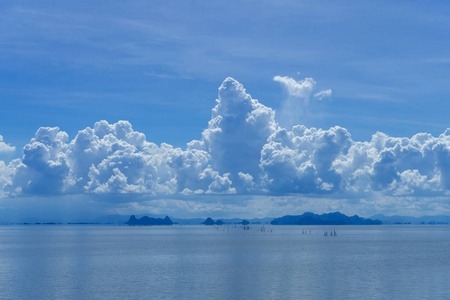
{"x":192,"y":262}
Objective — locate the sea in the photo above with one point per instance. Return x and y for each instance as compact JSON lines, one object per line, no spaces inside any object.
{"x":224,"y":262}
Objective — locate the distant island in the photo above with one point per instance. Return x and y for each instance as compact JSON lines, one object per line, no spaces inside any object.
{"x":307,"y":218}
{"x":335,"y":218}
{"x":406,"y":220}
{"x":210,"y":221}
{"x":146,"y":221}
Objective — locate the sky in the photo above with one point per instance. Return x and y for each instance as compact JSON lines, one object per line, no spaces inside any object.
{"x":224,"y":108}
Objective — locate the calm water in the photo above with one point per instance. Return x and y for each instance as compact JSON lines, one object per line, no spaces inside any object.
{"x":108,"y":262}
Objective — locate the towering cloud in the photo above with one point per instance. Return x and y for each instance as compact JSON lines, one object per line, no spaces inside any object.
{"x":239,"y":128}
{"x":242,"y":151}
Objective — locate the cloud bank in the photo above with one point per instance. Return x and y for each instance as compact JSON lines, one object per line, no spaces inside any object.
{"x":243,"y":151}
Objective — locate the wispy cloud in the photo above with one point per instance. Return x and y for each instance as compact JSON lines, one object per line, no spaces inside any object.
{"x":297,"y":107}
{"x":323,"y":94}
{"x":301,"y":88}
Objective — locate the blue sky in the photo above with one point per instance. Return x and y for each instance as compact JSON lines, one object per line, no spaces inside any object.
{"x":158,"y":65}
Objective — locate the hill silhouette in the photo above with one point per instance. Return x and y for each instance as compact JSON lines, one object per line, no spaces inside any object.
{"x":146,"y":221}
{"x":335,"y":218}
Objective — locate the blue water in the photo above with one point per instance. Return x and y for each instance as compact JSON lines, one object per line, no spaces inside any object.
{"x":194,"y":262}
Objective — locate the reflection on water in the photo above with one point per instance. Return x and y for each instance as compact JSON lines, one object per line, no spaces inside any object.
{"x":189,"y":262}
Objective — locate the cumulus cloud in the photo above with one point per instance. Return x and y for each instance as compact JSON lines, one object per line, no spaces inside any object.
{"x":242,"y":151}
{"x":239,"y":128}
{"x":300,"y":160}
{"x":396,"y":165}
{"x":44,"y":167}
{"x":4,"y":147}
{"x":6,"y":173}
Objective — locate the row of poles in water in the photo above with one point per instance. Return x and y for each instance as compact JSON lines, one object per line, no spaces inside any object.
{"x":325,"y":233}
{"x":264,"y":229}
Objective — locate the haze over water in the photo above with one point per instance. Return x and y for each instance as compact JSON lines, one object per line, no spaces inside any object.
{"x":189,"y":262}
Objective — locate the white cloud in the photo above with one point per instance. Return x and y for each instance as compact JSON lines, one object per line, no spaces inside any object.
{"x":301,"y":88}
{"x":297,"y":107}
{"x":300,"y":160}
{"x":246,"y":181}
{"x":4,"y":147}
{"x":44,"y":167}
{"x":323,"y":94}
{"x":239,"y":128}
{"x":5,"y":178}
{"x":242,"y":151}
{"x":400,"y":165}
